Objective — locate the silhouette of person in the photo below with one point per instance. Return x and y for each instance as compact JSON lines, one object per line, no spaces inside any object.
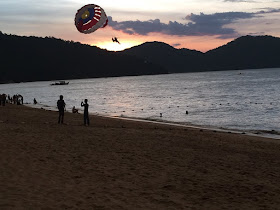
{"x":34,"y":101}
{"x":3,"y":99}
{"x":86,"y":117}
{"x":20,"y":99}
{"x":61,"y":107}
{"x":115,"y":40}
{"x":74,"y":110}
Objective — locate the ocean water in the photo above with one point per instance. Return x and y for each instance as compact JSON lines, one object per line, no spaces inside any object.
{"x":247,"y":100}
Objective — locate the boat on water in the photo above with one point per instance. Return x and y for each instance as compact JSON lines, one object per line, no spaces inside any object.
{"x":60,"y":83}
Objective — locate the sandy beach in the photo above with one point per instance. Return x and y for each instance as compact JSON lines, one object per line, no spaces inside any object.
{"x":124,"y":164}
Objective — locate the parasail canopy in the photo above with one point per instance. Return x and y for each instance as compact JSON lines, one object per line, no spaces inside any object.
{"x":90,"y":18}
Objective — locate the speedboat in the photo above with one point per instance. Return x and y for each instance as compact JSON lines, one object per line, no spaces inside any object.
{"x":60,"y":83}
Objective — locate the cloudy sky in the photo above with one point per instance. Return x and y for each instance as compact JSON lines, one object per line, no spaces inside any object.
{"x":193,"y":24}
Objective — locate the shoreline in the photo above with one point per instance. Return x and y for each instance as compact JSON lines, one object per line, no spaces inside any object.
{"x":124,"y":164}
{"x":258,"y":133}
{"x":54,"y":80}
{"x":263,"y":133}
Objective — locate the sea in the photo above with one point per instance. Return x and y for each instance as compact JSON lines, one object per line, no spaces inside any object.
{"x":242,"y":101}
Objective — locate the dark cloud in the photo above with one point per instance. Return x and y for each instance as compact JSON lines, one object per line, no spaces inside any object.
{"x":138,"y":27}
{"x":214,"y":24}
{"x":257,"y":34}
{"x":176,"y":45}
{"x":198,"y":25}
{"x":268,"y":11}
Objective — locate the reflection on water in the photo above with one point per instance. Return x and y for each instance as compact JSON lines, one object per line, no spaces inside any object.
{"x":227,"y":99}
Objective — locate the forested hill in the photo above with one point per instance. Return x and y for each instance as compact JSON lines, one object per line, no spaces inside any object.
{"x":35,"y":59}
{"x":247,"y":52}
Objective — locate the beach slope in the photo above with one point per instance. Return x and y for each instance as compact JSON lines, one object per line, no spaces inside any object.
{"x":123,"y":164}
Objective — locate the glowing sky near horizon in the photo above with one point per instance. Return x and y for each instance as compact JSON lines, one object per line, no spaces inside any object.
{"x":193,"y":24}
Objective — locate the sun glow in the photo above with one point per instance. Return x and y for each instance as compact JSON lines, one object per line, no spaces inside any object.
{"x":113,"y":46}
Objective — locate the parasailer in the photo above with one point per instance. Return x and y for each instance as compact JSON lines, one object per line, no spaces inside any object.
{"x":115,"y":40}
{"x":90,"y":18}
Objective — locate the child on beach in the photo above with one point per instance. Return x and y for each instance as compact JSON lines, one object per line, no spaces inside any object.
{"x":86,"y":117}
{"x":61,"y":107}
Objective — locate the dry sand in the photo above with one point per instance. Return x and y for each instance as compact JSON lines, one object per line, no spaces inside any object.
{"x":119,"y":164}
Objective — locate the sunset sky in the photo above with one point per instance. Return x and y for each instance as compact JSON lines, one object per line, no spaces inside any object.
{"x":193,"y":24}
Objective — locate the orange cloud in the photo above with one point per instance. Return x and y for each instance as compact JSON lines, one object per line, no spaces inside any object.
{"x":103,"y":39}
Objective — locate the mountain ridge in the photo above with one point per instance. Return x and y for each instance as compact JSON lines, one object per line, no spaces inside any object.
{"x":245,"y":52}
{"x":35,"y":58}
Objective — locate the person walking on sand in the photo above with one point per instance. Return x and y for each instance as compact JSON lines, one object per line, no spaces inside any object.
{"x":86,"y":117}
{"x":61,"y":107}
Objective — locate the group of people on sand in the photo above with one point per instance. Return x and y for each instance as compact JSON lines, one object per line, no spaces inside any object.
{"x":61,"y":108}
{"x":15,"y":99}
{"x":61,"y":105}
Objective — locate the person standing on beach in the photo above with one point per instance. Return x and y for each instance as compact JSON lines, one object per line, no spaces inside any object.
{"x":1,"y":99}
{"x":61,"y":107}
{"x":86,"y":117}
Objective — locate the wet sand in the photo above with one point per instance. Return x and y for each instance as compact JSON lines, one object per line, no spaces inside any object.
{"x":123,"y":164}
